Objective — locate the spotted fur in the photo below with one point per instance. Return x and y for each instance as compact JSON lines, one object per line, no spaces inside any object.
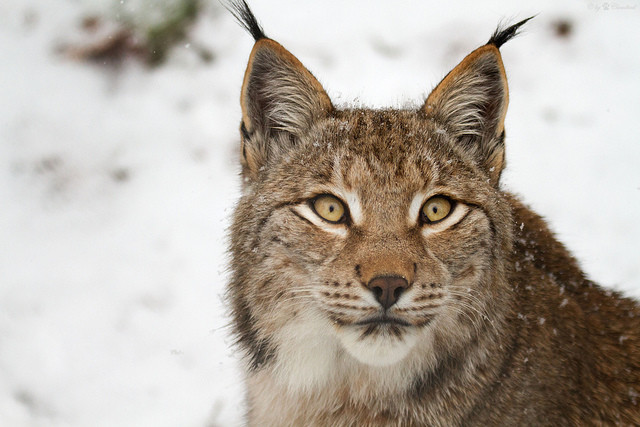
{"x":497,"y":324}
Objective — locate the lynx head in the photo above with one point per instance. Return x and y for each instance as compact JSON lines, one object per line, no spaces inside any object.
{"x":369,"y":235}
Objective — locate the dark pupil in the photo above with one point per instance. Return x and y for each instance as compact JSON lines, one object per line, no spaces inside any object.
{"x":331,"y":208}
{"x":435,"y":209}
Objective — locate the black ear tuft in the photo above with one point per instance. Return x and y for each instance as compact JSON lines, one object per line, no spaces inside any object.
{"x":241,"y":11}
{"x":501,"y":36}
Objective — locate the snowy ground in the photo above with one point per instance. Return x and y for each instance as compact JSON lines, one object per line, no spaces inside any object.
{"x":116,"y":184}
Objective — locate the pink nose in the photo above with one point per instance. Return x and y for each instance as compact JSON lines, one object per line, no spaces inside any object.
{"x":387,"y":289}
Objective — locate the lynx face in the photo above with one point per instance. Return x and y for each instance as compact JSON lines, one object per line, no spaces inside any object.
{"x":374,"y":224}
{"x":374,"y":237}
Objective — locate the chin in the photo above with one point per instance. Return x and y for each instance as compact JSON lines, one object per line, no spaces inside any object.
{"x":382,"y":345}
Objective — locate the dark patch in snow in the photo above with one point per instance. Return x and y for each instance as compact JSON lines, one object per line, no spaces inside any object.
{"x":121,"y":175}
{"x":34,"y":405}
{"x":562,"y":28}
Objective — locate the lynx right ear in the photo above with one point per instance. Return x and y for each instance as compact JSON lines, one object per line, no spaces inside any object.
{"x":280,"y":101}
{"x":471,"y":103}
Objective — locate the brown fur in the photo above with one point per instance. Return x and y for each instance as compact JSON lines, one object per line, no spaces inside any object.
{"x":498,"y":326}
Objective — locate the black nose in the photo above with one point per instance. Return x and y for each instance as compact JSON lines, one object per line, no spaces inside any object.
{"x":387,"y":289}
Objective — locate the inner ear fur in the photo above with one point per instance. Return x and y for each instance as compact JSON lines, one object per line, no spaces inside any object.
{"x":280,"y":101}
{"x":471,"y":103}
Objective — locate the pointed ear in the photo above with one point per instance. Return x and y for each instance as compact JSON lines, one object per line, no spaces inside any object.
{"x":280,"y":101}
{"x":471,"y":103}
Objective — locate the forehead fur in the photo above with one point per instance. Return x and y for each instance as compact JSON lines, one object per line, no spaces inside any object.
{"x":382,"y":150}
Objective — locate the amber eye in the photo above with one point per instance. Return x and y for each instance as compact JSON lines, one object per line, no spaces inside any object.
{"x":436,"y":209}
{"x":329,"y":208}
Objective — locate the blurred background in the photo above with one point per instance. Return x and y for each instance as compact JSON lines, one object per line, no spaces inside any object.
{"x":119,"y":172}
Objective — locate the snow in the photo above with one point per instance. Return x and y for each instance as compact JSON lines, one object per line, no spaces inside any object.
{"x":117,"y":183}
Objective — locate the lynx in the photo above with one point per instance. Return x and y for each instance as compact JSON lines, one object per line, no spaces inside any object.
{"x":380,"y":275}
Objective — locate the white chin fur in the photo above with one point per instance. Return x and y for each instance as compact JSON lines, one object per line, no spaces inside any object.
{"x":379,"y":349}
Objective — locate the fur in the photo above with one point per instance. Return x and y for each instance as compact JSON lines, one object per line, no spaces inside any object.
{"x":497,"y":324}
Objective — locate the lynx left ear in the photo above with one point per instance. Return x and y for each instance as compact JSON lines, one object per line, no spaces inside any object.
{"x":280,"y":98}
{"x":471,"y":103}
{"x":280,"y":101}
